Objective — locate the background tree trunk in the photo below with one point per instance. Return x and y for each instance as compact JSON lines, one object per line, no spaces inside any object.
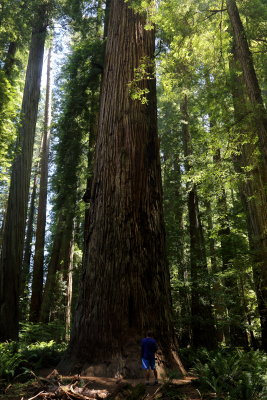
{"x":59,"y":260}
{"x":10,"y":58}
{"x":202,"y":319}
{"x":14,"y":228}
{"x":38,"y":265}
{"x":233,"y":302}
{"x":125,"y":283}
{"x":25,"y":270}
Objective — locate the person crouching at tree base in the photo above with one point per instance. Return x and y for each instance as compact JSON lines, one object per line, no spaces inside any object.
{"x":148,"y":350}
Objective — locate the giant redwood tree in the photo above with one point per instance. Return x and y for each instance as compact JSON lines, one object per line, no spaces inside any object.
{"x":125,"y":282}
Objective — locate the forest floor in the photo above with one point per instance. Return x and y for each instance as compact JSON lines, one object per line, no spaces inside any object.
{"x":48,"y":386}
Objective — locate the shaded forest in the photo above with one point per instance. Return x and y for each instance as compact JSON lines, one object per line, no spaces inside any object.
{"x":133,"y":197}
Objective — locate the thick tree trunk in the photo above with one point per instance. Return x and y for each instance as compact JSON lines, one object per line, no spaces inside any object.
{"x":253,"y":195}
{"x":14,"y":229}
{"x":125,"y":283}
{"x":202,"y":319}
{"x":250,"y":77}
{"x":38,"y":265}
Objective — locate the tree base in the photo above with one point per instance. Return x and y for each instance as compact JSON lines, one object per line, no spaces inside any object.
{"x":126,"y":364}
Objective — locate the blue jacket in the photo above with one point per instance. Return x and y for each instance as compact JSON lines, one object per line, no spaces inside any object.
{"x":148,"y":348}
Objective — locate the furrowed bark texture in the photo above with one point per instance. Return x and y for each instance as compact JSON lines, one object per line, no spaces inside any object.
{"x":125,"y":283}
{"x":253,"y":195}
{"x":250,"y":77}
{"x":14,"y":229}
{"x":38,"y":265}
{"x":202,"y":319}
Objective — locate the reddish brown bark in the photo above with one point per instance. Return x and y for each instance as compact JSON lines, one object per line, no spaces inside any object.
{"x":125,"y":283}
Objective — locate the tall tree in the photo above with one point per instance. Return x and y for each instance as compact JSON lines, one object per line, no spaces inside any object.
{"x":125,"y":282}
{"x":77,"y":118}
{"x":202,"y":319}
{"x":27,"y":254}
{"x":15,"y":219}
{"x":237,"y":332}
{"x":38,"y":265}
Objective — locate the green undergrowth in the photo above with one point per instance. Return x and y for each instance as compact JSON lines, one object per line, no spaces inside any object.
{"x":36,"y":349}
{"x":17,"y":360}
{"x":229,"y":374}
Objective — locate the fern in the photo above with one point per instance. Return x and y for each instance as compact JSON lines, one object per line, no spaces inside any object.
{"x":234,"y":375}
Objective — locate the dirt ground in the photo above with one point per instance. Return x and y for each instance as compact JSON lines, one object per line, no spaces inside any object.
{"x":183,"y":387}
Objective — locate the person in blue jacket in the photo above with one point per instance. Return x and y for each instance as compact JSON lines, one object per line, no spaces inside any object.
{"x":148,"y":350}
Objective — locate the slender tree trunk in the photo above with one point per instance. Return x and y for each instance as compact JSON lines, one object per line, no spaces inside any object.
{"x":10,"y":59}
{"x":125,"y":284}
{"x":38,"y":265}
{"x":217,"y":289}
{"x":59,"y":260}
{"x":69,"y":291}
{"x":203,"y":324}
{"x":14,"y":229}
{"x":25,"y":270}
{"x":173,"y":213}
{"x":250,"y":77}
{"x":253,"y":195}
{"x":7,"y":81}
{"x":237,"y":332}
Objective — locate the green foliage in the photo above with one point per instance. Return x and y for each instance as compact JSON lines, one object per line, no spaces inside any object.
{"x":143,"y":72}
{"x":43,"y":354}
{"x":17,"y":359}
{"x":10,"y":360}
{"x":40,"y":332}
{"x":79,"y":81}
{"x":232,"y":375}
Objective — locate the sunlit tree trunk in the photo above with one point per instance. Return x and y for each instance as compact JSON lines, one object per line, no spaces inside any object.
{"x":38,"y":265}
{"x":125,"y":282}
{"x":15,"y":220}
{"x":202,"y":319}
{"x":25,"y":270}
